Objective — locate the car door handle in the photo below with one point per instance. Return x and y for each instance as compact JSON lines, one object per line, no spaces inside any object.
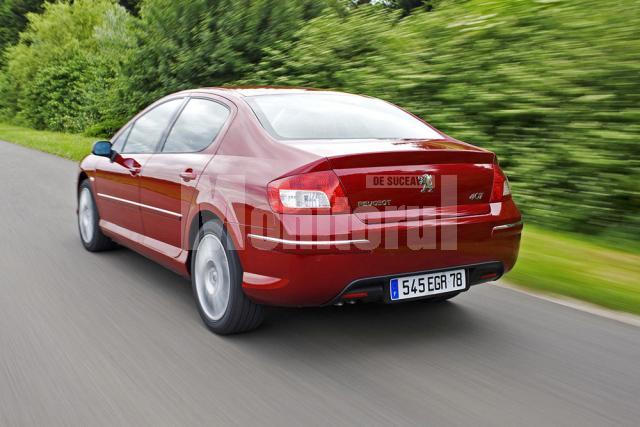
{"x":188,"y":175}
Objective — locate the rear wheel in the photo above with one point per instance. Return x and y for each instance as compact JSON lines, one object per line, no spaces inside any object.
{"x":216,"y":278}
{"x":90,"y":234}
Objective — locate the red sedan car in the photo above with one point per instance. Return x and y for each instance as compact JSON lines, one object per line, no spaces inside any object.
{"x":294,"y":197}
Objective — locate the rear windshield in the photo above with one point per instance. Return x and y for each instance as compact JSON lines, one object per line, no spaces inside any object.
{"x":336,"y":116}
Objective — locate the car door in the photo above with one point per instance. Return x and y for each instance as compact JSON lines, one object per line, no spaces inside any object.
{"x":169,"y":179}
{"x":117,"y":182}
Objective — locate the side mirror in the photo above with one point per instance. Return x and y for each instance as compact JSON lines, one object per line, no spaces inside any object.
{"x":102,"y":149}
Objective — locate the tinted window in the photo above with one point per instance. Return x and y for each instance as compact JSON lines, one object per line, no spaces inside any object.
{"x":197,"y":127}
{"x":119,"y":142}
{"x":336,"y":116}
{"x":148,"y":129}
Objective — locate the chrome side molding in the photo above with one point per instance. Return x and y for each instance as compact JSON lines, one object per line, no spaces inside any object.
{"x":507,"y":226}
{"x":307,"y":242}
{"x":130,"y":202}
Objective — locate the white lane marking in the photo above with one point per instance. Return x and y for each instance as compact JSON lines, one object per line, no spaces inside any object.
{"x":620,"y":316}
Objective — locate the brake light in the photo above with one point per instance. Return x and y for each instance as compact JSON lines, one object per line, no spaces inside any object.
{"x":501,"y":189}
{"x":310,"y":193}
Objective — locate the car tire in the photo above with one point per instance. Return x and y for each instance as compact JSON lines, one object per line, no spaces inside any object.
{"x":91,"y":235}
{"x":216,"y":279}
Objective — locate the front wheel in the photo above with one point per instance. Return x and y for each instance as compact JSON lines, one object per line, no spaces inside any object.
{"x":90,"y":234}
{"x":216,"y":278}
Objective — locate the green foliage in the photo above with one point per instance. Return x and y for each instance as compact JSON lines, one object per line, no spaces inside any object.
{"x":577,"y":267}
{"x":105,"y":128}
{"x":551,"y":86}
{"x":70,"y":146}
{"x":133,"y":6}
{"x":13,"y":19}
{"x":407,"y":6}
{"x":54,"y":97}
{"x":204,"y":43}
{"x":58,"y":74}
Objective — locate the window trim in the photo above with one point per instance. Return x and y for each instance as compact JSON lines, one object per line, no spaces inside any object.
{"x":124,"y":132}
{"x":164,"y":132}
{"x":222,"y":130}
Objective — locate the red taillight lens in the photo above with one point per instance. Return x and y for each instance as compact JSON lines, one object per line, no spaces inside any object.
{"x":310,"y":193}
{"x":501,"y":189}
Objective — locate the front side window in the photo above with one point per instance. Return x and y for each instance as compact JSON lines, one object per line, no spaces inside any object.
{"x":197,"y":127}
{"x":148,"y":129}
{"x":336,"y":116}
{"x":119,"y":142}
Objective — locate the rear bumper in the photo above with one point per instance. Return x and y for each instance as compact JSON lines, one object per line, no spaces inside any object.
{"x":377,"y":288}
{"x":335,"y":259}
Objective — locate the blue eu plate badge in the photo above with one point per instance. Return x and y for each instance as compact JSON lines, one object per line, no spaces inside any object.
{"x":394,"y":289}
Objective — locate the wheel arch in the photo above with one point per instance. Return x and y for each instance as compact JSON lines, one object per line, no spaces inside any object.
{"x":82,"y":176}
{"x":203,"y":215}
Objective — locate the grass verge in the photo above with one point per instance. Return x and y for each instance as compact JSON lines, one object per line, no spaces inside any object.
{"x":549,"y":261}
{"x":578,"y":267}
{"x":66,"y":145}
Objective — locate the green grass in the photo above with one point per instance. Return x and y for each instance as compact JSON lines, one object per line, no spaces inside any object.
{"x":578,"y":267}
{"x":69,"y":146}
{"x":549,"y":261}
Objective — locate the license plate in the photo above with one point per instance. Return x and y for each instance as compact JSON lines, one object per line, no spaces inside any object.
{"x":422,"y":285}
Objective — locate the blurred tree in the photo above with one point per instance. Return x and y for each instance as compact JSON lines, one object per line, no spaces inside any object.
{"x":204,"y":43}
{"x":133,"y":6}
{"x":57,"y":75}
{"x":13,"y":19}
{"x":552,"y":87}
{"x":407,"y":6}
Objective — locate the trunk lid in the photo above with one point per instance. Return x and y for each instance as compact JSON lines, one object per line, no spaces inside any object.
{"x":390,"y":181}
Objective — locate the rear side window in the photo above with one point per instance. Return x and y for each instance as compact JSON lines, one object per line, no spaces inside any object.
{"x":148,"y":129}
{"x":196,"y":128}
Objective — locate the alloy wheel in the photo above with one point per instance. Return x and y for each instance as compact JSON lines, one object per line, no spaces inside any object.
{"x":86,"y":215}
{"x":212,"y":277}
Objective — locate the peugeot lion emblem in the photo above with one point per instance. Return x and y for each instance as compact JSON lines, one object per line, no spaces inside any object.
{"x":426,"y":181}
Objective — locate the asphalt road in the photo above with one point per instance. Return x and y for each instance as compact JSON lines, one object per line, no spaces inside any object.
{"x":112,"y":339}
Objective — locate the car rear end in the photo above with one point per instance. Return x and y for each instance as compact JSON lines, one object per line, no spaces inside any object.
{"x":387,"y":219}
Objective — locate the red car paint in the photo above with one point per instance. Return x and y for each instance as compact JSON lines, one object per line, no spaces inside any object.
{"x":152,"y":203}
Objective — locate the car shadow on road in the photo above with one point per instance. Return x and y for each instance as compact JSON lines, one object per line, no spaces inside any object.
{"x":375,"y":323}
{"x":318,"y":338}
{"x":301,"y":332}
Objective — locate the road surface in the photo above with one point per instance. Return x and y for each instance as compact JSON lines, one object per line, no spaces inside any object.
{"x":113,"y":339}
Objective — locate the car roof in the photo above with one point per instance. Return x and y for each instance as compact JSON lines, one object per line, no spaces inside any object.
{"x":247,"y":91}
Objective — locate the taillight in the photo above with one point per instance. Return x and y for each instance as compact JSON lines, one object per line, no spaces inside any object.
{"x":501,"y":189}
{"x":310,"y":193}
